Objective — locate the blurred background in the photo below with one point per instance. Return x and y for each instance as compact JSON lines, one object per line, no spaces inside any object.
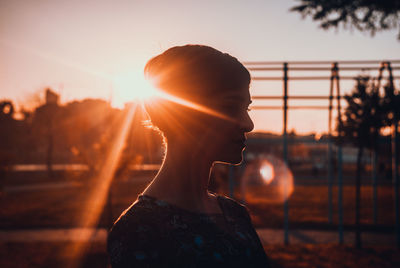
{"x":320,"y":171}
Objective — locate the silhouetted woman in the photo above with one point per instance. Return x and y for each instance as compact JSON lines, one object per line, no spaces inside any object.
{"x":176,"y":221}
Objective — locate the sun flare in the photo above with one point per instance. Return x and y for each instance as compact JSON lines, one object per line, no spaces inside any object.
{"x":131,"y":87}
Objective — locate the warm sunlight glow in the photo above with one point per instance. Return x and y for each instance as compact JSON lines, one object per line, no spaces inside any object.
{"x":97,"y":198}
{"x":131,"y":86}
{"x":192,"y":105}
{"x":267,"y":172}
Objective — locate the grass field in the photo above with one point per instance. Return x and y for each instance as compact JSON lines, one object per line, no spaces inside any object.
{"x":62,"y":207}
{"x":308,"y":205}
{"x":308,"y":208}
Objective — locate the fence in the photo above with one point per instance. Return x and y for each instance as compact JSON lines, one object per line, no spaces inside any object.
{"x":337,"y":72}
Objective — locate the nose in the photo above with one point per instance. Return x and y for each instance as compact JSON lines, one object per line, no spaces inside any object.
{"x":246,"y":124}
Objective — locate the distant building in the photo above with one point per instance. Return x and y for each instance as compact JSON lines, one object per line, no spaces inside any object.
{"x":51,"y":97}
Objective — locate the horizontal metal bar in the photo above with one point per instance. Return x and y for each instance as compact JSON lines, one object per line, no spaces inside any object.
{"x":291,"y":140}
{"x":358,"y":68}
{"x":278,"y":139}
{"x":320,"y":62}
{"x":296,"y":97}
{"x":264,"y":68}
{"x":259,"y":107}
{"x":266,"y":78}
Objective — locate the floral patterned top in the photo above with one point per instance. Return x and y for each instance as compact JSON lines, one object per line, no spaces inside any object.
{"x":154,"y":233}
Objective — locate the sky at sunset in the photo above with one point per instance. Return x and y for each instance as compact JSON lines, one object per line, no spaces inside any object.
{"x":86,"y":48}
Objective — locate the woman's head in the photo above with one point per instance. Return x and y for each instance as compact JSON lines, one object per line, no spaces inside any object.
{"x":206,"y":77}
{"x":196,"y":72}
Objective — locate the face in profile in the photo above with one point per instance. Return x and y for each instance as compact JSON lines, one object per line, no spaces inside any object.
{"x":219,"y":136}
{"x":205,"y":77}
{"x":224,"y":139}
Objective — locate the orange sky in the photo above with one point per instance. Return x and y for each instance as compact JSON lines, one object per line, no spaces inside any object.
{"x":78,"y":47}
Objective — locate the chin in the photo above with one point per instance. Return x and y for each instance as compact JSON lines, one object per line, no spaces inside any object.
{"x":232,"y":159}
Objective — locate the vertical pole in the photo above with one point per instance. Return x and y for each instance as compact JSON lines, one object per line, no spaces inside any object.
{"x":375,"y":184}
{"x":395,"y":175}
{"x":375,"y":156}
{"x":340,"y":194}
{"x":329,"y":162}
{"x":395,"y":155}
{"x":380,"y":73}
{"x":285,"y":151}
{"x":340,"y":156}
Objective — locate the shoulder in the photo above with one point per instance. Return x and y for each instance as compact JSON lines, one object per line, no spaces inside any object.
{"x":134,"y":233}
{"x":233,"y":206}
{"x":127,"y":224}
{"x":228,"y":201}
{"x":140,"y":216}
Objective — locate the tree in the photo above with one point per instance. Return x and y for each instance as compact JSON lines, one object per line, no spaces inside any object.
{"x":87,"y":127}
{"x":391,"y":105}
{"x":363,"y":119}
{"x":364,"y":15}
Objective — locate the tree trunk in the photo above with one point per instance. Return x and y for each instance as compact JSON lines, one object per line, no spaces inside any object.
{"x":358,"y":196}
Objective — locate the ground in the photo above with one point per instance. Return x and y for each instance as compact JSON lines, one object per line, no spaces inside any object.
{"x":299,"y":256}
{"x":61,"y":207}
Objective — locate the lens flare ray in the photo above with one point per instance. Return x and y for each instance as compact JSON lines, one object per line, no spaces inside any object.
{"x":193,"y":105}
{"x":98,"y":196}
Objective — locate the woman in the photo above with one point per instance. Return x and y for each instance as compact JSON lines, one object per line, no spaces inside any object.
{"x":176,"y":221}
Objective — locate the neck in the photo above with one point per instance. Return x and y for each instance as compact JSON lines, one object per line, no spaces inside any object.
{"x":183,"y":178}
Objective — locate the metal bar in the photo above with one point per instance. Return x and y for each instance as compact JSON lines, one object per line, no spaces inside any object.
{"x":374,"y":186}
{"x":264,"y":68}
{"x":381,"y":68}
{"x":294,"y":97}
{"x":335,"y":75}
{"x":285,"y":152}
{"x":329,"y":168}
{"x":271,"y":107}
{"x":270,"y":78}
{"x":395,"y":175}
{"x":340,"y":194}
{"x":395,"y":159}
{"x":375,"y":159}
{"x":357,"y":68}
{"x":320,"y":62}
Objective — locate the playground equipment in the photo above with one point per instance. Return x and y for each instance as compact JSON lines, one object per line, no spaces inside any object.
{"x":348,"y":67}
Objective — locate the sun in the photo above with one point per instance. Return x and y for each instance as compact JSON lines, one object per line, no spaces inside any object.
{"x":131,"y":86}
